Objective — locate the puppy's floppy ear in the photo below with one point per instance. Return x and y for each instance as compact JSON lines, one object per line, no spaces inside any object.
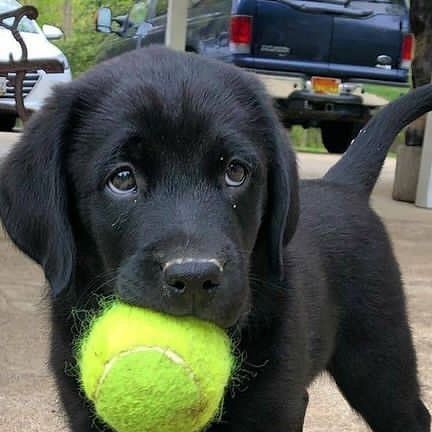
{"x":33,"y":192}
{"x":283,"y":197}
{"x":282,"y":207}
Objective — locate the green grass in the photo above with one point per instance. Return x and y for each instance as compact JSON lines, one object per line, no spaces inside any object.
{"x":308,"y":140}
{"x":389,"y":93}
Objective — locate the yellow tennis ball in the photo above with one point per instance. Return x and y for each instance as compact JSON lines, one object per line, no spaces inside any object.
{"x":149,"y":372}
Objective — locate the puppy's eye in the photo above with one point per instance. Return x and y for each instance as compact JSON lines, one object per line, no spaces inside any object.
{"x":122,"y":182}
{"x":235,"y":174}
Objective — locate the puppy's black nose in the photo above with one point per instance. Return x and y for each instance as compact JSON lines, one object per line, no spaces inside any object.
{"x":192,"y":275}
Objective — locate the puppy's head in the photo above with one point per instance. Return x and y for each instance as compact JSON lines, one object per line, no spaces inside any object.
{"x":158,"y":177}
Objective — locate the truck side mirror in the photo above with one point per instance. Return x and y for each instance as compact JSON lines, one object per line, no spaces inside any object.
{"x":104,"y":20}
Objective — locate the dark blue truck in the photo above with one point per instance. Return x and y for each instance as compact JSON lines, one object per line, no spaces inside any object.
{"x":314,"y":56}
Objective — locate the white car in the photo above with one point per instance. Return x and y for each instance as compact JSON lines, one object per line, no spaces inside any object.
{"x":37,"y":84}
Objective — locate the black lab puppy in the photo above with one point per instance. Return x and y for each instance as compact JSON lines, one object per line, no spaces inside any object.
{"x":167,"y":180}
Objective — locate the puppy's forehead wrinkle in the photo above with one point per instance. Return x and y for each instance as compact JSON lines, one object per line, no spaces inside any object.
{"x":183,"y":188}
{"x":186,"y":110}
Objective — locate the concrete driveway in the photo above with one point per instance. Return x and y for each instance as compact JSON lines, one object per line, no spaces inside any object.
{"x":28,"y":400}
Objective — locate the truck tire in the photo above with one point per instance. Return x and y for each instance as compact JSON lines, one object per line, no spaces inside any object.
{"x":7,"y":122}
{"x":337,"y":136}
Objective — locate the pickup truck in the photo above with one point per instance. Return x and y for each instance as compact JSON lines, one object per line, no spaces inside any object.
{"x":315,"y":56}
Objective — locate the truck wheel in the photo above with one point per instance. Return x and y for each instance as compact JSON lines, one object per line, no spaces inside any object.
{"x":337,"y":136}
{"x":7,"y":122}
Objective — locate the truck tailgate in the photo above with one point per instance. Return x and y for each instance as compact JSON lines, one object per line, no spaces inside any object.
{"x":292,"y":34}
{"x":374,"y":40}
{"x":335,"y":37}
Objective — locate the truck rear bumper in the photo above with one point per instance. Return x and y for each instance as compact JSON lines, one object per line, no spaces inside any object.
{"x":299,"y":105}
{"x":307,"y":109}
{"x":282,"y":86}
{"x":335,"y":70}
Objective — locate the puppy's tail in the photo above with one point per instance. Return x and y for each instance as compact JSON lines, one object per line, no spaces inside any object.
{"x":360,"y":166}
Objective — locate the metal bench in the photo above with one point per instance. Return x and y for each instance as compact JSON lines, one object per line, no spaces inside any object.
{"x":15,"y":70}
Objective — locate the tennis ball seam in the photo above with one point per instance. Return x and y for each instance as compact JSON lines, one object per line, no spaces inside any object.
{"x":170,"y":354}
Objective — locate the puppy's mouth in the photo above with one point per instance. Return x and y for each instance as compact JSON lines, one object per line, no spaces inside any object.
{"x":207,"y":288}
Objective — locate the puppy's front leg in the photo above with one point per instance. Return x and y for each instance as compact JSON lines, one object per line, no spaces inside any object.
{"x":78,"y":410}
{"x":256,"y":414}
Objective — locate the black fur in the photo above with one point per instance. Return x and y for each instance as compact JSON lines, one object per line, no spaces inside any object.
{"x":310,"y":282}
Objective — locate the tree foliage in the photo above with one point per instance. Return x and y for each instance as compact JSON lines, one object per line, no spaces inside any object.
{"x":49,"y":11}
{"x":83,"y":45}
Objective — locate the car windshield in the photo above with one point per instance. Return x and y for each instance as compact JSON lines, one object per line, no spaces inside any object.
{"x":144,"y":10}
{"x":26,"y":25}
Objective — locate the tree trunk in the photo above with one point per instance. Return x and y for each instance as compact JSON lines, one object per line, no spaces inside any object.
{"x":67,"y":17}
{"x":421,"y":26}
